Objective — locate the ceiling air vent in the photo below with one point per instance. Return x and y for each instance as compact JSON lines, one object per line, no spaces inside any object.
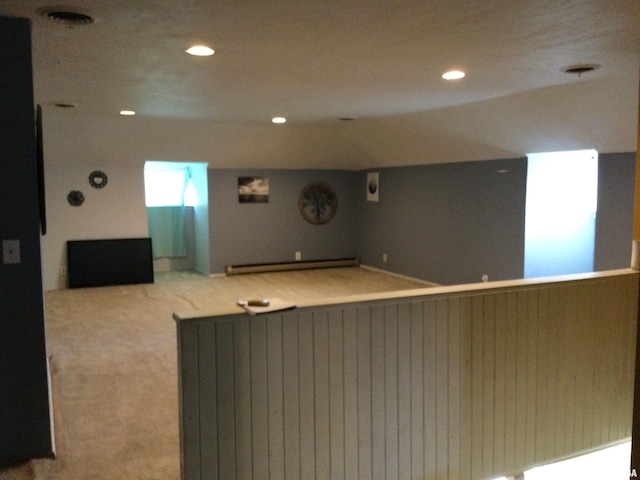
{"x":68,"y":16}
{"x":64,"y":105}
{"x":580,"y":69}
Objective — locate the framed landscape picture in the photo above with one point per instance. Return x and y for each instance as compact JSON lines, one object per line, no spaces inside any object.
{"x":253,"y":189}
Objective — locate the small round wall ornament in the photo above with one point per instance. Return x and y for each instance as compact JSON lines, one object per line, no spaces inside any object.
{"x":318,"y":203}
{"x":98,"y":179}
{"x":75,"y":198}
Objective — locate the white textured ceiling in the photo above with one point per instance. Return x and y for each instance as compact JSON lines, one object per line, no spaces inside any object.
{"x":379,"y":62}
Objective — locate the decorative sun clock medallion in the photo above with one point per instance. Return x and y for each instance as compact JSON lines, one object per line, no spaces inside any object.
{"x":318,"y":203}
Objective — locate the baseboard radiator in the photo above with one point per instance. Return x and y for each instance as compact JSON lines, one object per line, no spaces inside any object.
{"x":298,"y":265}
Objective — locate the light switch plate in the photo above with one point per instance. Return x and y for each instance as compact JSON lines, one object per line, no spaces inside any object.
{"x":10,"y":251}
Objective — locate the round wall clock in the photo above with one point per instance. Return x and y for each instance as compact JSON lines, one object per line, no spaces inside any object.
{"x":318,"y":203}
{"x":75,"y":198}
{"x":98,"y":179}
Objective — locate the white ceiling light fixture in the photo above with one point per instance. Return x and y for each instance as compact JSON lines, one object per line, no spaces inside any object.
{"x":279,"y":120}
{"x":453,"y":75}
{"x":127,"y":113}
{"x":200,"y":51}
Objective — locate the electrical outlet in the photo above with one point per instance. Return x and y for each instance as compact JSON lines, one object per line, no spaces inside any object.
{"x":384,"y":258}
{"x":298,"y":256}
{"x":485,"y":277}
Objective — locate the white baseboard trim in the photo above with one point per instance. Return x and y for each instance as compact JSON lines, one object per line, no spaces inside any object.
{"x":387,"y":272}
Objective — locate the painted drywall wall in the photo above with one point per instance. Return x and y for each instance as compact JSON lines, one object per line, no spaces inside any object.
{"x":614,"y":219}
{"x":247,"y":233}
{"x":199,"y":176}
{"x":114,"y":211}
{"x":454,"y":223}
{"x":24,"y":398}
{"x":449,"y":223}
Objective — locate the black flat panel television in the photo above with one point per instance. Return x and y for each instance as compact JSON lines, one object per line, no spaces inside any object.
{"x":99,"y":263}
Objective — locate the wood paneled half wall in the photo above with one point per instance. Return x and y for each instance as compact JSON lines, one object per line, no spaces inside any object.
{"x":467,"y":382}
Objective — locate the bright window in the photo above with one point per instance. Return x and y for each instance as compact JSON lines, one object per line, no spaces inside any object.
{"x":562,"y":196}
{"x":168,"y":184}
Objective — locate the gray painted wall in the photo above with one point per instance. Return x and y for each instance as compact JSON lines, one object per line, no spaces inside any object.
{"x":614,"y":220}
{"x":242,"y":233}
{"x":448,"y":223}
{"x":24,"y":399}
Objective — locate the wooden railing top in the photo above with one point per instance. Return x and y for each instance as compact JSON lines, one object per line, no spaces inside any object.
{"x":470,"y":288}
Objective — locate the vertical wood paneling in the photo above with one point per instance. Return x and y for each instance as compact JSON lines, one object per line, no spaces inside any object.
{"x":542,"y":377}
{"x":404,"y":390}
{"x":555,"y":318}
{"x":500,"y":390}
{"x":226,"y":432}
{"x":452,"y":387}
{"x":390,"y":355}
{"x":291,"y":386}
{"x":454,"y":374}
{"x":378,"y":390}
{"x":350,"y":346}
{"x":336,"y":394}
{"x":442,"y":389}
{"x":575,"y":326}
{"x":307,"y":396}
{"x":189,"y":402}
{"x":275,"y":388}
{"x":532,"y":372}
{"x":365,"y":394}
{"x":242,"y":397}
{"x":430,"y":405}
{"x":417,"y":390}
{"x":584,"y":319}
{"x":208,"y":387}
{"x":321,"y":388}
{"x":589,"y":307}
{"x":477,"y":388}
{"x":466,"y":376}
{"x":488,"y":385}
{"x":259,"y":398}
{"x":521,"y":377}
{"x":511,"y":398}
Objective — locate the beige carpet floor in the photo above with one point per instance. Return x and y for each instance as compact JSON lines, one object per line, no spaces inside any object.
{"x":114,"y":368}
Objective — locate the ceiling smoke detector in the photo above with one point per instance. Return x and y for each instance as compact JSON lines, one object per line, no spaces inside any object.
{"x":580,"y":69}
{"x":68,"y":16}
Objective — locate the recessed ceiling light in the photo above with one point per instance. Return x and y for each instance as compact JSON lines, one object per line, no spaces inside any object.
{"x":200,"y":51}
{"x":453,"y":75}
{"x":127,"y":112}
{"x":278,"y":120}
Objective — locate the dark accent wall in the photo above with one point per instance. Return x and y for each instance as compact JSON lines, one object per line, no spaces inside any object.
{"x":24,"y":399}
{"x":614,"y":219}
{"x":245,"y":233}
{"x":447,"y":223}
